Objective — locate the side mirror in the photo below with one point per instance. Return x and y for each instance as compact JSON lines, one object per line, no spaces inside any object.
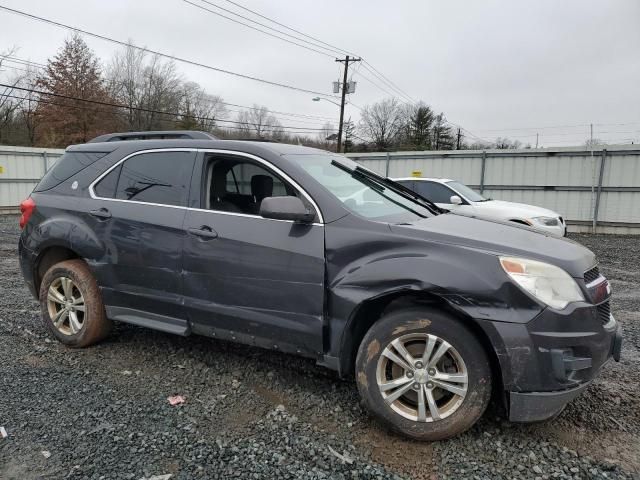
{"x":286,"y":208}
{"x":456,"y":200}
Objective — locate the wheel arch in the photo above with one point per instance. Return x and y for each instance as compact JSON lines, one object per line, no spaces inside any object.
{"x":371,"y":310}
{"x":47,"y":258}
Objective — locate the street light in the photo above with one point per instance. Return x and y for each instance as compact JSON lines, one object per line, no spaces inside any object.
{"x":317,"y":99}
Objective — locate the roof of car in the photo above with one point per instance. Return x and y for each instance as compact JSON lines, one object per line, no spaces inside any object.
{"x":239,"y":145}
{"x":433,"y":179}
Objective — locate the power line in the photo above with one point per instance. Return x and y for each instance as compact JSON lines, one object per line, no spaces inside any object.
{"x":146,"y":110}
{"x":175,"y":121}
{"x":160,"y":54}
{"x":389,"y":81}
{"x":252,"y":27}
{"x":333,"y":47}
{"x":329,"y":47}
{"x":316,"y":118}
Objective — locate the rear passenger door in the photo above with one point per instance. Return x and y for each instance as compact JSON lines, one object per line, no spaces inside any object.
{"x":248,"y":278}
{"x":138,"y":211}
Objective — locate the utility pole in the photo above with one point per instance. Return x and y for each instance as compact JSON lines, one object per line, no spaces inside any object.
{"x":346,"y":62}
{"x":458,"y":141}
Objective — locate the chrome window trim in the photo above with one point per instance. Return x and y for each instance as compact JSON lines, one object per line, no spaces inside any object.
{"x":267,"y":164}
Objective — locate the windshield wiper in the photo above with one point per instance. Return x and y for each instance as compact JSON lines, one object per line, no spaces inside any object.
{"x":401,"y":189}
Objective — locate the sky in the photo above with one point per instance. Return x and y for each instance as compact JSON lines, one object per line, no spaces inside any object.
{"x":498,"y":68}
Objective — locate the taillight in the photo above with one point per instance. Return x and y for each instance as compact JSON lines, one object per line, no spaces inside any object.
{"x":27,"y":207}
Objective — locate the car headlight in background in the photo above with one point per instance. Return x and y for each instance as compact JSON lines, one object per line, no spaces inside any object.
{"x":548,"y":283}
{"x":546,"y":221}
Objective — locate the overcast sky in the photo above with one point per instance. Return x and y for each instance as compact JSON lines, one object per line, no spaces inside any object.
{"x":494,"y":67}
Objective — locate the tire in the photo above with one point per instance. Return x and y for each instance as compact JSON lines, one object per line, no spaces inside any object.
{"x":444,"y":413}
{"x":67,"y":289}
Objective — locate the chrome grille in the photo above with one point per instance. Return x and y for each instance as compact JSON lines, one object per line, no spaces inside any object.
{"x":591,"y":275}
{"x":604,"y":311}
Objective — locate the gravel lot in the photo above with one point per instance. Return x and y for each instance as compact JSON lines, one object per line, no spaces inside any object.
{"x":103,"y":412}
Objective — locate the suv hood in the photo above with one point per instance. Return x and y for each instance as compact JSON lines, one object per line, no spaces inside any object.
{"x":501,"y":238}
{"x":510,"y":209}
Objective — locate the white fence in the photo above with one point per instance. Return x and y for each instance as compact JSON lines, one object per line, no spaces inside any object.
{"x":599,"y":189}
{"x":21,"y":168}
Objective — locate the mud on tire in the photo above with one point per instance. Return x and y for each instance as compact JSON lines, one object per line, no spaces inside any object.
{"x":71,"y":304}
{"x":434,"y":398}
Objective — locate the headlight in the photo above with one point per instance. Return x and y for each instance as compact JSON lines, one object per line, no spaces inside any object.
{"x":546,"y":221}
{"x":548,"y":283}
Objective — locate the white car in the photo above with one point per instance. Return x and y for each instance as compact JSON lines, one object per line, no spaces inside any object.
{"x":458,"y":197}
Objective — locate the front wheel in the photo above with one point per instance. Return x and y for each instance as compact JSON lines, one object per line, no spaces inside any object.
{"x":423,"y":374}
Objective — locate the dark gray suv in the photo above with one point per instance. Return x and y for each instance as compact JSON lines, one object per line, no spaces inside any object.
{"x":303,"y":251}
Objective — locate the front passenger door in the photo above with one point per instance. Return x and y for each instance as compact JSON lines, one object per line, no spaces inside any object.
{"x":248,"y":278}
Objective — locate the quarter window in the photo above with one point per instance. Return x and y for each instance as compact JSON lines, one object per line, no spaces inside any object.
{"x":156,"y":177}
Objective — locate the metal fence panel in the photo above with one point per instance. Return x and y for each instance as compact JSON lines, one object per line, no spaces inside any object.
{"x":20,"y":170}
{"x":572,"y":181}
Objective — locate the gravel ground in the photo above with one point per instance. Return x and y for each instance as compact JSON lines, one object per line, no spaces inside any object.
{"x":102,"y":412}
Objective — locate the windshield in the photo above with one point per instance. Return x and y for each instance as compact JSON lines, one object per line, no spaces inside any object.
{"x":359,"y":194}
{"x":466,"y":192}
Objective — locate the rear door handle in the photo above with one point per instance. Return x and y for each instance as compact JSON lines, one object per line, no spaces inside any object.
{"x":204,"y":231}
{"x":102,"y":213}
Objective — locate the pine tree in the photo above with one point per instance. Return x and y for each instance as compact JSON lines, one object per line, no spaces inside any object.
{"x":72,"y":76}
{"x":420,"y":124}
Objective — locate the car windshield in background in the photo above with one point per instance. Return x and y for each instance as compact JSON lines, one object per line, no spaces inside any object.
{"x":362,"y":196}
{"x":467,"y":192}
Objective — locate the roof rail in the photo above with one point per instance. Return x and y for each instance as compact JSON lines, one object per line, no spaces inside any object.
{"x":153,"y":135}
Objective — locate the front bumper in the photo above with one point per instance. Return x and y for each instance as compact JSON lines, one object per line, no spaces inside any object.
{"x":538,"y":406}
{"x":550,"y":360}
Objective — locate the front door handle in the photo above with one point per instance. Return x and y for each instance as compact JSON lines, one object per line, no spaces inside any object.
{"x":204,"y":231}
{"x":101,"y":213}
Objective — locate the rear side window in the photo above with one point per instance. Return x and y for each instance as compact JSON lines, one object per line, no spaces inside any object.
{"x":435,"y":192}
{"x":156,"y":177}
{"x":67,"y":166}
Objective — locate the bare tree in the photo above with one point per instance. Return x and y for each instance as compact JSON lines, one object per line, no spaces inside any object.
{"x":327,"y":136}
{"x":10,"y":96}
{"x":199,"y":110}
{"x":383,"y":122}
{"x":28,"y":112}
{"x":145,"y":86}
{"x":259,"y":122}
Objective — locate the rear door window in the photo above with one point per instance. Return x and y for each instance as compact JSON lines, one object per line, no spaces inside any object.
{"x":156,"y":177}
{"x":67,"y":166}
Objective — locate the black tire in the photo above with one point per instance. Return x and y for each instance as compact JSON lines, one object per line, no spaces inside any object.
{"x":416,"y":322}
{"x":94,"y":326}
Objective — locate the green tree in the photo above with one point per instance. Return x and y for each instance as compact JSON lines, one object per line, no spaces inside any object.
{"x":419,"y":126}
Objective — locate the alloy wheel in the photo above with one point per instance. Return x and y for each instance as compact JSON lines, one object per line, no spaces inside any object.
{"x":422,"y":377}
{"x":66,"y":306}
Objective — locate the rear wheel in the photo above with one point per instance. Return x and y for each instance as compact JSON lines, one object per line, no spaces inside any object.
{"x":71,"y":304}
{"x":423,"y":374}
